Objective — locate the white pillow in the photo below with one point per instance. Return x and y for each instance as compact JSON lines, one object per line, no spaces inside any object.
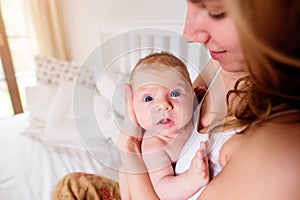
{"x":62,"y":125}
{"x":50,"y":105}
{"x":38,"y":101}
{"x":51,"y":73}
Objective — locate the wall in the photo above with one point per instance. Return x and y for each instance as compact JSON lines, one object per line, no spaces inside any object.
{"x":82,"y":19}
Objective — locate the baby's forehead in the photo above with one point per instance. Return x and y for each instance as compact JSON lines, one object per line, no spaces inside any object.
{"x":157,"y":67}
{"x":159,"y":75}
{"x":153,"y":86}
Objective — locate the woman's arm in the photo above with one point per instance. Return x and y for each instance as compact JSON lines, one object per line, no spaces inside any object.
{"x":133,"y":168}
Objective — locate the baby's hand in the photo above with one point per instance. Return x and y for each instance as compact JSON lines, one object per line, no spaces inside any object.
{"x":199,"y":169}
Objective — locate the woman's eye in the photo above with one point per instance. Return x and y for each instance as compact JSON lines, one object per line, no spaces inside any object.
{"x":148,"y":98}
{"x":175,"y":94}
{"x":217,"y":16}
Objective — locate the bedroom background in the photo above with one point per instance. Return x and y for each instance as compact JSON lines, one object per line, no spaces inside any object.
{"x":69,"y":30}
{"x":50,"y":51}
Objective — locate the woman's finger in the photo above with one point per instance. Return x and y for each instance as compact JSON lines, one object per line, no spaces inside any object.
{"x":130,"y":125}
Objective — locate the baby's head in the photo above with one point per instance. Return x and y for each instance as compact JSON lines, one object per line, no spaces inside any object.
{"x":160,"y":63}
{"x":163,"y":95}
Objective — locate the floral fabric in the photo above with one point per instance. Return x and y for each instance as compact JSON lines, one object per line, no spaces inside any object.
{"x":86,"y":187}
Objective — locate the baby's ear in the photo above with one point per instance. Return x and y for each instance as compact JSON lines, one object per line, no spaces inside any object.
{"x":127,"y":90}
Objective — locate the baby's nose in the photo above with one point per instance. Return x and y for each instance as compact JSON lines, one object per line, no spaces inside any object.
{"x":164,"y":106}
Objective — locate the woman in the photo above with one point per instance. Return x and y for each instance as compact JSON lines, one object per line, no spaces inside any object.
{"x":263,"y":162}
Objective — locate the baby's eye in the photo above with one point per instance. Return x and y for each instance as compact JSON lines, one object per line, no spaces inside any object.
{"x":148,"y":98}
{"x":175,"y":94}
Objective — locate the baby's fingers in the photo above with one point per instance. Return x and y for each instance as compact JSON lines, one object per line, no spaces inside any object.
{"x":202,"y":151}
{"x":201,"y":155}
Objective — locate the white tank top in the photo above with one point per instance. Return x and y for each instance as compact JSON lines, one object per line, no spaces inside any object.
{"x":192,"y":145}
{"x":216,"y":141}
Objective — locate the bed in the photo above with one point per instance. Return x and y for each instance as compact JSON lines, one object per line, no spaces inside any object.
{"x":73,"y":114}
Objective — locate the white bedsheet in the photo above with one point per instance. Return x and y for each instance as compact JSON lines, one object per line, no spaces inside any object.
{"x":30,"y":169}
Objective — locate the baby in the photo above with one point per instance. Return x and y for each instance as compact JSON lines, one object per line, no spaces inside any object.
{"x":163,"y":102}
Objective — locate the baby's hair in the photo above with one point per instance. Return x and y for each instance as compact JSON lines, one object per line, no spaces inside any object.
{"x":166,"y":59}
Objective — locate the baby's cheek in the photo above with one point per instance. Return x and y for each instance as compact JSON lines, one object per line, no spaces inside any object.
{"x":187,"y":110}
{"x":186,"y":104}
{"x":144,"y":118}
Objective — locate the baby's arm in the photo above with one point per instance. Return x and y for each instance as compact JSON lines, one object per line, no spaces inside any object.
{"x":123,"y":186}
{"x":198,"y":172}
{"x":169,"y":186}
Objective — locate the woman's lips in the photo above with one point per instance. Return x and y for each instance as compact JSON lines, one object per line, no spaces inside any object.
{"x":217,"y":55}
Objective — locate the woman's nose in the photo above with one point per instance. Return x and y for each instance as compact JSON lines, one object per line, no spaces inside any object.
{"x":195,"y":27}
{"x":197,"y":36}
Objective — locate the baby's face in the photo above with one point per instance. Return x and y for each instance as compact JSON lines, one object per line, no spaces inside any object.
{"x":162,"y":100}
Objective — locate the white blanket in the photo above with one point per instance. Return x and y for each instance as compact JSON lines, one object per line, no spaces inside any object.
{"x":30,"y":169}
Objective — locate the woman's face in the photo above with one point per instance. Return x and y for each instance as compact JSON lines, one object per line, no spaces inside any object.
{"x":207,"y":22}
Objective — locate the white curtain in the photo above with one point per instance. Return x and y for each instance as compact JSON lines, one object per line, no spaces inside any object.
{"x":48,"y":23}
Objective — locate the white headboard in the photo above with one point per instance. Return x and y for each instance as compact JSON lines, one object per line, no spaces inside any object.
{"x":150,"y":37}
{"x":109,"y":29}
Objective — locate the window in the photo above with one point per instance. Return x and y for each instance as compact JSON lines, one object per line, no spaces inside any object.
{"x":22,"y":47}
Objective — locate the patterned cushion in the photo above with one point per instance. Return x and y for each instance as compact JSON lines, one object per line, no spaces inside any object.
{"x":51,"y":71}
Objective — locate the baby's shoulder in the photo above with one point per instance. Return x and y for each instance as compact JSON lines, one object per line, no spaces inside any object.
{"x":152,"y":144}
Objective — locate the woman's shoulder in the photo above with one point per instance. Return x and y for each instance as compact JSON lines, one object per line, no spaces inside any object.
{"x":264,"y":165}
{"x":276,"y":135}
{"x":274,"y":149}
{"x":276,"y":142}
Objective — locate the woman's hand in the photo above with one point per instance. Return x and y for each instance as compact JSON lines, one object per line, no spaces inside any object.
{"x":130,"y":125}
{"x":130,"y":137}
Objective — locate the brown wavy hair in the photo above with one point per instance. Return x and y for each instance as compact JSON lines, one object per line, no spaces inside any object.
{"x":270,"y":37}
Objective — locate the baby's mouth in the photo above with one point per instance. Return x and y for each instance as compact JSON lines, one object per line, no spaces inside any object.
{"x":166,"y":122}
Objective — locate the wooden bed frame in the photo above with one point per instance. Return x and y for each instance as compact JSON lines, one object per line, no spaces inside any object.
{"x":9,"y":71}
